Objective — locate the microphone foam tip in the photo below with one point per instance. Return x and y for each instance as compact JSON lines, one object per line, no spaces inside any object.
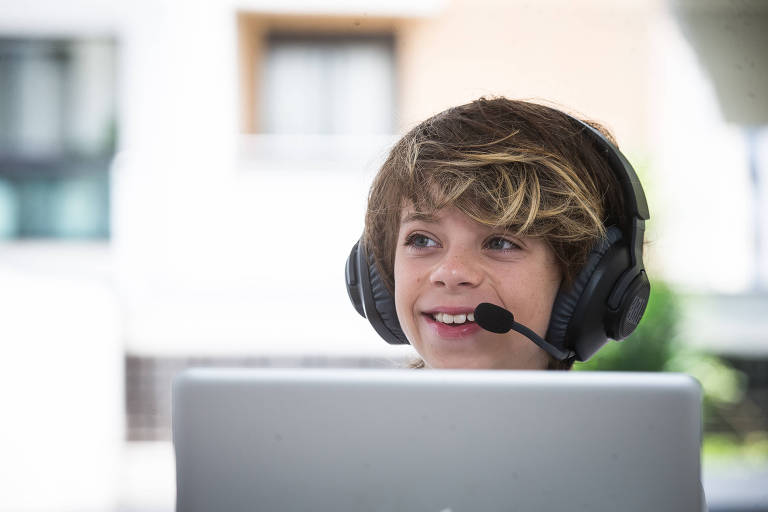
{"x":494,"y":318}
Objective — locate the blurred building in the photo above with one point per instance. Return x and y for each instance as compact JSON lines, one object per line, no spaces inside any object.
{"x":182,"y":181}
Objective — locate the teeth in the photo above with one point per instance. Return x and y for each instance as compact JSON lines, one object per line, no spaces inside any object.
{"x":454,"y":319}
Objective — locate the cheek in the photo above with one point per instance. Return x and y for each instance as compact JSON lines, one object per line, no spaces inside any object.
{"x":401,"y":289}
{"x":407,"y":285}
{"x":548,"y":282}
{"x":546,"y":275}
{"x":546,"y":286}
{"x":531,"y":292}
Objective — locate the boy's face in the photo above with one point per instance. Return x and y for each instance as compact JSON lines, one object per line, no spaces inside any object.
{"x":449,"y":264}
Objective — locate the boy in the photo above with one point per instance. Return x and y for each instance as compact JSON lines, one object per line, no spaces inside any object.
{"x":510,"y":203}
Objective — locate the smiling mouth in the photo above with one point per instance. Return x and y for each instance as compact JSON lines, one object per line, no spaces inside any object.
{"x":448,"y":319}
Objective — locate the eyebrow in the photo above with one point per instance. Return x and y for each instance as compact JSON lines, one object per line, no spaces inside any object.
{"x":418,"y":216}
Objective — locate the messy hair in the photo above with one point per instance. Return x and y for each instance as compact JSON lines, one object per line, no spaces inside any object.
{"x":521,"y":166}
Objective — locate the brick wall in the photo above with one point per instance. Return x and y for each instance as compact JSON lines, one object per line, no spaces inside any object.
{"x":148,"y":384}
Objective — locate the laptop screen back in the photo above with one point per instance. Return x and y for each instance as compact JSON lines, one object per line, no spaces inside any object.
{"x":435,"y":441}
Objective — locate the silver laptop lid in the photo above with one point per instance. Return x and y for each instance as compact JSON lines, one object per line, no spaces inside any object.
{"x":435,"y":441}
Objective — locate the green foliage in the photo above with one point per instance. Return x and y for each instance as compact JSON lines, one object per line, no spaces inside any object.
{"x":721,"y":383}
{"x":724,"y":448}
{"x":655,"y":347}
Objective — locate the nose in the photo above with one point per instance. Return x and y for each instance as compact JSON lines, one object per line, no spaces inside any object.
{"x":457,"y":269}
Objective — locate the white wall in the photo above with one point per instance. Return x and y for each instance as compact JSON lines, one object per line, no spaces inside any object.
{"x":61,"y":383}
{"x":704,"y":205}
{"x":61,"y":379}
{"x":218,"y":253}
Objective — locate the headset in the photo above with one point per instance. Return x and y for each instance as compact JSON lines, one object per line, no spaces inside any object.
{"x":606,"y":300}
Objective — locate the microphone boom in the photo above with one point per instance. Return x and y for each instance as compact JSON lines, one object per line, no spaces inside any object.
{"x":498,"y":320}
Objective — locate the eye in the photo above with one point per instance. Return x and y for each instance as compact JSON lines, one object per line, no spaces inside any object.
{"x":419,"y":241}
{"x":498,"y":243}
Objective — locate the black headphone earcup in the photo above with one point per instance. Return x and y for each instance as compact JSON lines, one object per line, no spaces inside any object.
{"x":631,"y":308}
{"x":352,"y":278}
{"x":568,"y":301}
{"x":383,"y":303}
{"x":370,"y":296}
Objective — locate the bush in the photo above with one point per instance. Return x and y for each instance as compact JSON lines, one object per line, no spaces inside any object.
{"x":655,"y":346}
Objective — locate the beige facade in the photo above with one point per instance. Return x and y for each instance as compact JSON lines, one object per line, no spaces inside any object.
{"x":590,"y":58}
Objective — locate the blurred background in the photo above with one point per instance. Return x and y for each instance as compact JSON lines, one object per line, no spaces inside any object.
{"x":180,"y":180}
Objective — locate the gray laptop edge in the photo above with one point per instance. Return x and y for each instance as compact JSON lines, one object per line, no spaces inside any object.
{"x":435,"y":441}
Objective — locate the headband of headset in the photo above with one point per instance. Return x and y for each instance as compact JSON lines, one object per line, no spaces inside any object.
{"x":635,"y":204}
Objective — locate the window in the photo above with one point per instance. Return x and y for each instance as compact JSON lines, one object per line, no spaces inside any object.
{"x":57,"y":137}
{"x":328,"y":85}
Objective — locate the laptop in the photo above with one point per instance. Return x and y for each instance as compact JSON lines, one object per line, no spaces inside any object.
{"x":435,"y":441}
